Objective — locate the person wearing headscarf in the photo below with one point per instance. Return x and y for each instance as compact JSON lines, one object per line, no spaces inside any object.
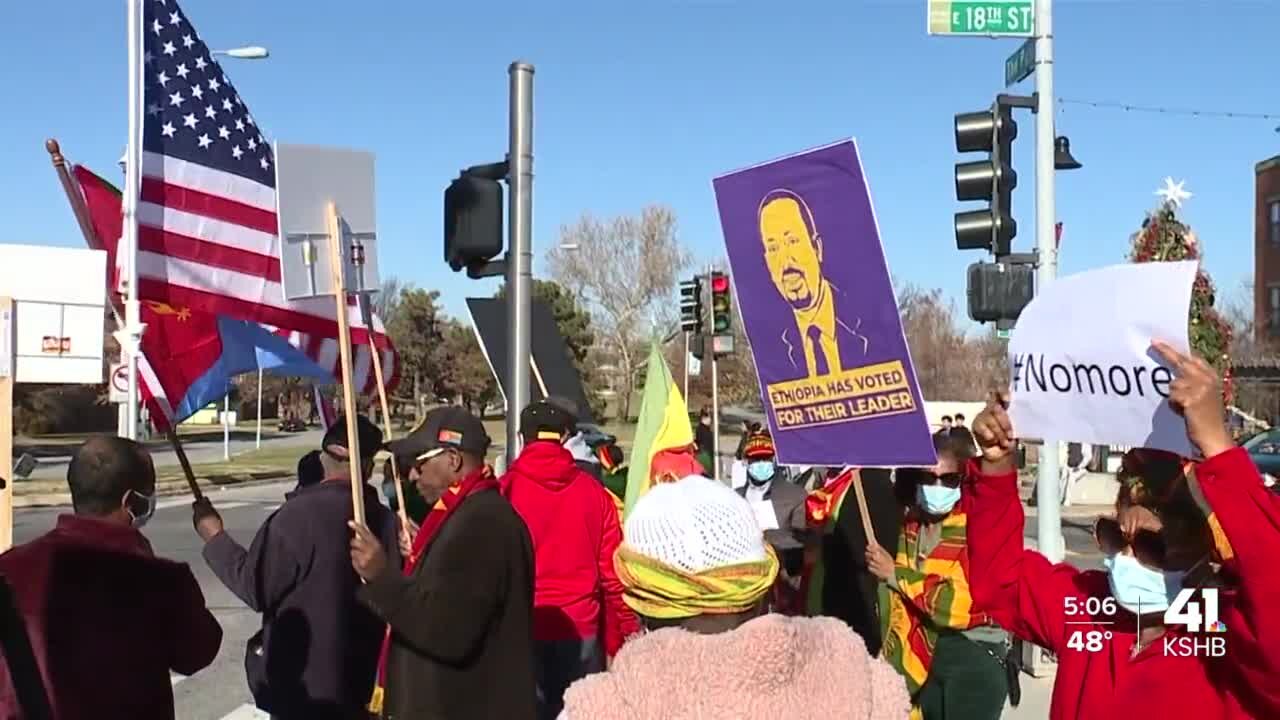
{"x":695,"y":567}
{"x":1207,"y":526}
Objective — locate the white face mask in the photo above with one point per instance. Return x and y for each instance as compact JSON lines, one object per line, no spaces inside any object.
{"x":139,"y":519}
{"x":1138,"y":588}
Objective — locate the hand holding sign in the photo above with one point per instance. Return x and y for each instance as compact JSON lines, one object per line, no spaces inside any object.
{"x":993,"y":432}
{"x":1196,"y":394}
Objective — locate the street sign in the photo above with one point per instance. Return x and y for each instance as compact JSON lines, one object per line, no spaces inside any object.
{"x":1020,"y":65}
{"x":119,"y":391}
{"x":1004,"y":334}
{"x":984,"y":18}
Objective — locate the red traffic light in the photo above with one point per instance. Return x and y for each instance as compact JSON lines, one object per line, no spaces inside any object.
{"x":719,"y":283}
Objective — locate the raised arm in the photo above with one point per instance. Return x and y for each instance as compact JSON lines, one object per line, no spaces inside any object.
{"x":1019,"y":588}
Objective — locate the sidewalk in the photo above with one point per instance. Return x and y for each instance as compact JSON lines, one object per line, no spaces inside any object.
{"x":1036,"y":693}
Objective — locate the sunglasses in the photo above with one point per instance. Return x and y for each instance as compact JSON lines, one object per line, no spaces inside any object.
{"x":1148,"y":546}
{"x":951,"y":479}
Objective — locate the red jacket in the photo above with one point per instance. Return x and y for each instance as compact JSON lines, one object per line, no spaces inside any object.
{"x":1029,"y":596}
{"x":575,"y":530}
{"x":106,"y":620}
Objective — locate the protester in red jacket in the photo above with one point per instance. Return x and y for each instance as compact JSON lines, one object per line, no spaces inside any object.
{"x":94,"y":622}
{"x":578,"y":615}
{"x":1113,"y":662}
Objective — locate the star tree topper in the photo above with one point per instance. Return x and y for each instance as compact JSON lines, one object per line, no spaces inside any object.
{"x":1173,"y":192}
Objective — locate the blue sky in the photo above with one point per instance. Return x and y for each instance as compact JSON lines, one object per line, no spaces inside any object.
{"x":645,"y":102}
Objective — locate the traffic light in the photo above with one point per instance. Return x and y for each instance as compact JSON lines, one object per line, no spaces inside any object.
{"x":999,"y":291}
{"x":991,"y":180}
{"x":720,"y":303}
{"x":473,"y":210}
{"x":691,"y":305}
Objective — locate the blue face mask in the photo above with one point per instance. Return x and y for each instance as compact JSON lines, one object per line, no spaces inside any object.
{"x":937,"y":499}
{"x":761,"y":471}
{"x":1138,"y":588}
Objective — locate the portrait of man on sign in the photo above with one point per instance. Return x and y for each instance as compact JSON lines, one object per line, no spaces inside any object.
{"x":793,"y":253}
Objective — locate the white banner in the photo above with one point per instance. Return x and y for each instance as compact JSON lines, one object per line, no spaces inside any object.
{"x":1081,"y":364}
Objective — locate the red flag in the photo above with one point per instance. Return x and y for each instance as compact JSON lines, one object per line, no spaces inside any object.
{"x":181,"y":343}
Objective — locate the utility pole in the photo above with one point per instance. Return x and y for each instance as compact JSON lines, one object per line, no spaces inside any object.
{"x":519,"y":248}
{"x":1048,"y":515}
{"x":715,"y":388}
{"x":685,"y":363}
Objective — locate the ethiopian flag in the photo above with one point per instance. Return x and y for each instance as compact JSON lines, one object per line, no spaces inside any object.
{"x":664,"y":437}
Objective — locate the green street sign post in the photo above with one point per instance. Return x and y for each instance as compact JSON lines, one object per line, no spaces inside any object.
{"x":1020,"y":65}
{"x":983,"y":18}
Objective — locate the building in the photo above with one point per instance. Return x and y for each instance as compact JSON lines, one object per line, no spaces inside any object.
{"x":1266,"y":250}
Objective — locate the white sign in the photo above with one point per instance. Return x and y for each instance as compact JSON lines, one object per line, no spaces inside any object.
{"x":119,"y":390}
{"x":1081,"y":364}
{"x":59,"y":312}
{"x":765,"y":515}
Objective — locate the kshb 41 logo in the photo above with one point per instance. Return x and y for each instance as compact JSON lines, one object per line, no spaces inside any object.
{"x":1197,"y":617}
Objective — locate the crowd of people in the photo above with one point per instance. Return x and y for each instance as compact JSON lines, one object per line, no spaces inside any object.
{"x":534,"y":595}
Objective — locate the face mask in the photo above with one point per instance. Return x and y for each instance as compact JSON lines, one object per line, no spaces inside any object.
{"x":1138,"y":588}
{"x":761,"y":471}
{"x":139,"y":519}
{"x":937,"y":499}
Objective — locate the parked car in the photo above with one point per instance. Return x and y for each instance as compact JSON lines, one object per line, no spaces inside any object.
{"x":1264,"y":450}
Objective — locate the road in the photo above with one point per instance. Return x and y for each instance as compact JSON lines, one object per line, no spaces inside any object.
{"x":206,"y":449}
{"x":220,"y":693}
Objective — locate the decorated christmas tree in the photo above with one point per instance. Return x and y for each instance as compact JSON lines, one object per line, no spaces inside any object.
{"x":1165,"y":238}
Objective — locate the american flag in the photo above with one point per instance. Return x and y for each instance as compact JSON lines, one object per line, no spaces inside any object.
{"x":102,"y":200}
{"x":207,"y":215}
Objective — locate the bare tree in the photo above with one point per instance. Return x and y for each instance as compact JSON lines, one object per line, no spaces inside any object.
{"x":623,"y":270}
{"x":949,"y":364}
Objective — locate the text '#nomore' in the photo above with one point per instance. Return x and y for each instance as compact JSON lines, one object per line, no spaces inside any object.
{"x":1032,"y":373}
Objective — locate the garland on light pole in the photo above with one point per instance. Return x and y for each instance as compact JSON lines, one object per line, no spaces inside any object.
{"x":1165,"y":238}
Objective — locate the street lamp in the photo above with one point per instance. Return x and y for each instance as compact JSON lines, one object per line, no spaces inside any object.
{"x":248,"y":52}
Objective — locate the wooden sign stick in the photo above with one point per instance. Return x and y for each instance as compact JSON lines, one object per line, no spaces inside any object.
{"x":863,"y":512}
{"x":386,"y":421}
{"x":334,"y":223}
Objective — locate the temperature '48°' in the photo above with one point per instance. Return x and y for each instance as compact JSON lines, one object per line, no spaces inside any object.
{"x":1088,"y":611}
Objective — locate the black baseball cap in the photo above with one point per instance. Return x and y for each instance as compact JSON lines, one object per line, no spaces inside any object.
{"x":369,"y":435}
{"x":442,"y":428}
{"x":543,"y":420}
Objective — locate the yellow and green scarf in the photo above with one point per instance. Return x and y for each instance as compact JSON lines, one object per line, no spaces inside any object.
{"x":934,"y":597}
{"x":657,"y":590}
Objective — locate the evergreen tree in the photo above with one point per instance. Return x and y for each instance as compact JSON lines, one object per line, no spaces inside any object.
{"x":1165,"y":238}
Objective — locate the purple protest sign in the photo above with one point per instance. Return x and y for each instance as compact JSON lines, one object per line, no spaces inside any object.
{"x":814,"y":292}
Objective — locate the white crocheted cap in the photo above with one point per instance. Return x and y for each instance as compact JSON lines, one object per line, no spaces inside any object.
{"x":695,"y":524}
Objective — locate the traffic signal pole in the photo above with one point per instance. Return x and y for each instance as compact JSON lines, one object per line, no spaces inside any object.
{"x":715,"y":386}
{"x":1048,"y":516}
{"x":519,"y":249}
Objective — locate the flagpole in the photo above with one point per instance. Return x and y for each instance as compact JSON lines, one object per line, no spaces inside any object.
{"x":258,"y":439}
{"x":134,"y":328}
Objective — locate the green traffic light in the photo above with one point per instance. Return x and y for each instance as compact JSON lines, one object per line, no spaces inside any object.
{"x":722,"y":324}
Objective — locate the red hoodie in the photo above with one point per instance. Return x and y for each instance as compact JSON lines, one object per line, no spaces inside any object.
{"x":575,"y":530}
{"x":1029,"y":596}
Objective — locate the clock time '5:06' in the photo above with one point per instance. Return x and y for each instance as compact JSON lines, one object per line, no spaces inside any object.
{"x":1089,"y":607}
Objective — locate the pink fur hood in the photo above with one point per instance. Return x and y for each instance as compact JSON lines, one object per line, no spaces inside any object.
{"x":769,"y":668}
